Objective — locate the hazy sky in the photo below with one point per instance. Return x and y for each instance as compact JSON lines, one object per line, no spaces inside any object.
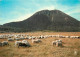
{"x":17,"y":10}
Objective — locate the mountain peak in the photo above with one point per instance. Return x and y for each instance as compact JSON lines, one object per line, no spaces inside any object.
{"x":48,"y":11}
{"x":53,"y":15}
{"x":48,"y":20}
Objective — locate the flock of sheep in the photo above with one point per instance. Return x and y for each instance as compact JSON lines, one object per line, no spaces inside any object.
{"x":34,"y":39}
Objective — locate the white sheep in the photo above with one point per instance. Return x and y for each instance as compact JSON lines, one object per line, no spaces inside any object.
{"x":0,"y":44}
{"x":17,"y":42}
{"x":26,"y":42}
{"x":5,"y":43}
{"x":17,"y":38}
{"x":36,"y":40}
{"x":22,"y":43}
{"x":58,"y":40}
{"x":10,"y":39}
{"x":57,"y":43}
{"x":54,"y":43}
{"x":41,"y":36}
{"x":21,"y":38}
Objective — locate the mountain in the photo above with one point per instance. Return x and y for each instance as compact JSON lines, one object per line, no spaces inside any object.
{"x":54,"y":20}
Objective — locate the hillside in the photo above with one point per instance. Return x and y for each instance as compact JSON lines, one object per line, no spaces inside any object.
{"x":54,"y":20}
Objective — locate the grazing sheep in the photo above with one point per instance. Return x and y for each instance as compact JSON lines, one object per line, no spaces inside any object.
{"x":57,"y":43}
{"x":67,"y":36}
{"x":22,"y":44}
{"x":53,"y":42}
{"x":74,"y":37}
{"x":17,"y":42}
{"x":5,"y":43}
{"x":39,"y":40}
{"x":22,"y":38}
{"x":78,"y":37}
{"x":58,"y":40}
{"x":26,"y":42}
{"x":34,"y":37}
{"x":10,"y":39}
{"x":0,"y":44}
{"x":41,"y":36}
{"x":36,"y":41}
{"x":17,"y":38}
{"x":29,"y":37}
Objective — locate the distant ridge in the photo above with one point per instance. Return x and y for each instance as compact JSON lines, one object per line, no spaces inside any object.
{"x":53,"y":20}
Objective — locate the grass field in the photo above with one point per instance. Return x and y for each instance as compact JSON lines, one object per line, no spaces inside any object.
{"x":70,"y":48}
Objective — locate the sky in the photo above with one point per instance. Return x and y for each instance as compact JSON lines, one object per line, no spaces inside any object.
{"x":18,"y":10}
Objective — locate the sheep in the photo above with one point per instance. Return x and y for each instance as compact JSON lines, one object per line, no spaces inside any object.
{"x":34,"y":37}
{"x":24,"y":43}
{"x":5,"y":43}
{"x":78,"y":37}
{"x":29,"y":37}
{"x":21,"y":38}
{"x":36,"y":41}
{"x":2,"y":37}
{"x":39,"y":40}
{"x":10,"y":39}
{"x":54,"y":43}
{"x":67,"y":36}
{"x":57,"y":43}
{"x":17,"y":38}
{"x":41,"y":36}
{"x":0,"y":44}
{"x":58,"y":40}
{"x":17,"y":42}
{"x":63,"y":37}
{"x":73,"y":37}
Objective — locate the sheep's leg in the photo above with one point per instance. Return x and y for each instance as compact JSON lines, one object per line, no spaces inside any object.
{"x":15,"y":45}
{"x":2,"y":45}
{"x":57,"y":44}
{"x":8,"y":44}
{"x":18,"y":46}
